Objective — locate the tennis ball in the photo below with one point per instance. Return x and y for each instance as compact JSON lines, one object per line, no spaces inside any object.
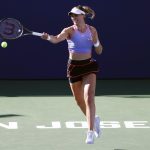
{"x":4,"y":44}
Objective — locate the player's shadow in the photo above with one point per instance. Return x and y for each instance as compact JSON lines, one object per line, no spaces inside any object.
{"x":13,"y":88}
{"x":9,"y":115}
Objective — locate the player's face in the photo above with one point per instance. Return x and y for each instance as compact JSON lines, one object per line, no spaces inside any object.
{"x":77,"y":19}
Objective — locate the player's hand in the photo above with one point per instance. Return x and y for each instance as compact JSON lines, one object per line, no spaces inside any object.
{"x":45,"y":36}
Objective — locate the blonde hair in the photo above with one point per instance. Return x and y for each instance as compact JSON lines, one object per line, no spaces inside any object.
{"x":90,"y":13}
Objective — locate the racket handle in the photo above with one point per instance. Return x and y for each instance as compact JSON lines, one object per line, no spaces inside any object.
{"x":37,"y":33}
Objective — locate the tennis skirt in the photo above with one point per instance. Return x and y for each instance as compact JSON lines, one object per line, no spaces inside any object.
{"x":76,"y":69}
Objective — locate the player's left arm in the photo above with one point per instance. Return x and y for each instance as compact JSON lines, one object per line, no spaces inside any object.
{"x":96,"y":42}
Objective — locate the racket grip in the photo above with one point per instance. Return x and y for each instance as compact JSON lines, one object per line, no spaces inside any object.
{"x":37,"y":33}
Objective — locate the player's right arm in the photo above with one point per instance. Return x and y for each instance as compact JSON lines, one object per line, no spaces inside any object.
{"x":58,"y":38}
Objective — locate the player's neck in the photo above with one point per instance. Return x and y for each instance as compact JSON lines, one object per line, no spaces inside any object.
{"x":81,"y":27}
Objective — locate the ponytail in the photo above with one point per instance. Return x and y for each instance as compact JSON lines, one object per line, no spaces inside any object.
{"x":88,"y":11}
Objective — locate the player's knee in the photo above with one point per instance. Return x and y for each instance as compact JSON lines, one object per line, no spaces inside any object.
{"x":89,"y":100}
{"x":79,"y":100}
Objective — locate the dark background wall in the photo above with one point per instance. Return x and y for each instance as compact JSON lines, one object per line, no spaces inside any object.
{"x":123,"y":27}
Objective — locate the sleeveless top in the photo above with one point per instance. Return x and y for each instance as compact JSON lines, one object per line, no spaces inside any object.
{"x":80,"y":42}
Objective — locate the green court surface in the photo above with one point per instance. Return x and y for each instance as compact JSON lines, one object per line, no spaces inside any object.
{"x":42,"y":115}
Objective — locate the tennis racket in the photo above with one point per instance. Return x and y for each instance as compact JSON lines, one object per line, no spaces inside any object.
{"x":11,"y":29}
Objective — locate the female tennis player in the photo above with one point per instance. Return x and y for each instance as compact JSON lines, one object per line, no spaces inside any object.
{"x":82,"y":68}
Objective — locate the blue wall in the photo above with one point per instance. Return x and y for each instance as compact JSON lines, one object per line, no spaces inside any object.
{"x":123,"y":26}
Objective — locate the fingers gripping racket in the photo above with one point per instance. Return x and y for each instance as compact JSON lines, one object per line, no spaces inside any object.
{"x":11,"y":28}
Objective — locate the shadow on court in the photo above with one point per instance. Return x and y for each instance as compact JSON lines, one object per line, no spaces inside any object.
{"x":10,"y":115}
{"x":13,"y":88}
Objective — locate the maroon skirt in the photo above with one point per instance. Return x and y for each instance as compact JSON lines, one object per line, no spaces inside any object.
{"x":76,"y":69}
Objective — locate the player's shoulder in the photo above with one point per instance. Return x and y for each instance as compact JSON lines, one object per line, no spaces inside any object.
{"x":67,"y":29}
{"x":92,"y":28}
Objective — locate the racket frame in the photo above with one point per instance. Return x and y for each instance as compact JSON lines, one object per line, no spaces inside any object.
{"x":22,"y":28}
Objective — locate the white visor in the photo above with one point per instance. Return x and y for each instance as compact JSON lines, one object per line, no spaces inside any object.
{"x":76,"y":11}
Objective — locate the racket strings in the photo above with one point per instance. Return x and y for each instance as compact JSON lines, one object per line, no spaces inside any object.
{"x":10,"y":28}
